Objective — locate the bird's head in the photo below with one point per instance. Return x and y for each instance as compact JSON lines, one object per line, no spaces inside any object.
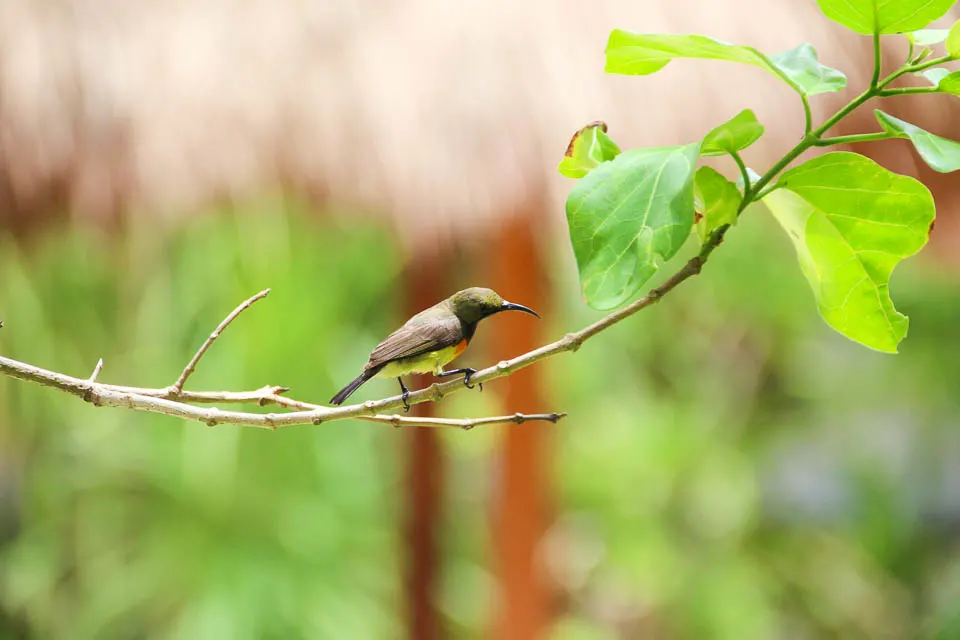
{"x":476,"y":303}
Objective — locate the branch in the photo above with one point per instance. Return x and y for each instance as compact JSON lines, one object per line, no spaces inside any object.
{"x":177,"y":386}
{"x":175,"y":401}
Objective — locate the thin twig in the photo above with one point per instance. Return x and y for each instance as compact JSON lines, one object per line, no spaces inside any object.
{"x":464,"y":423}
{"x":177,"y":386}
{"x":96,"y":371}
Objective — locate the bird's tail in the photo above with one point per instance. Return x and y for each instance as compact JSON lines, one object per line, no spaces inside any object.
{"x":345,"y":393}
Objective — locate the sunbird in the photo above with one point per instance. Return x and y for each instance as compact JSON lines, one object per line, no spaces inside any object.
{"x":432,"y":339}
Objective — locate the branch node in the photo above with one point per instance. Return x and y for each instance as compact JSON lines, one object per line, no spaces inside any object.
{"x":212,"y":417}
{"x":503,"y":365}
{"x":573,"y":343}
{"x":90,"y":395}
{"x":317,"y":421}
{"x":519,"y":418}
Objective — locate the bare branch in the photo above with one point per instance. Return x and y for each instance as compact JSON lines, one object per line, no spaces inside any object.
{"x":158,"y":401}
{"x":174,"y":401}
{"x":177,"y":386}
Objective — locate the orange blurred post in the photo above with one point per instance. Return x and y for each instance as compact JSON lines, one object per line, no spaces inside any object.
{"x":425,"y":475}
{"x":522,"y":509}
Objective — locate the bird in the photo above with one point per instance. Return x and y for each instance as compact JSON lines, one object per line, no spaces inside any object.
{"x":431,"y":339}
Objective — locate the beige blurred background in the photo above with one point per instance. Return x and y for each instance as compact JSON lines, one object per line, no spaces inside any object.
{"x":161,"y":161}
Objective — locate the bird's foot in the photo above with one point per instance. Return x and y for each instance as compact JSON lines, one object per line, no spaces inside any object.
{"x":467,"y":373}
{"x":406,"y":405}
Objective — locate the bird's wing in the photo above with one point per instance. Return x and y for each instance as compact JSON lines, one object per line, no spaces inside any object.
{"x":417,"y":337}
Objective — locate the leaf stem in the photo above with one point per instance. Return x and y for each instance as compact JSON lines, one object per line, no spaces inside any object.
{"x":906,"y":91}
{"x":807,"y":115}
{"x":813,"y":138}
{"x":743,"y":170}
{"x":859,"y":137}
{"x":877,"y":61}
{"x":912,"y":68}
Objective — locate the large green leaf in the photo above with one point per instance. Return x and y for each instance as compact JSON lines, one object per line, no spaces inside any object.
{"x":589,"y":147}
{"x":885,"y":16}
{"x":718,"y":201}
{"x":851,"y":222}
{"x":953,"y":40}
{"x":639,"y":55}
{"x":739,"y":132}
{"x":939,"y":153}
{"x":627,"y":217}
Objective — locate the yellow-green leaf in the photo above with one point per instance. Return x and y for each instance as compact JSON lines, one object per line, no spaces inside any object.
{"x":640,"y":54}
{"x":953,"y":41}
{"x":851,"y":222}
{"x":589,"y":147}
{"x":718,"y":201}
{"x":885,"y":16}
{"x":939,"y":153}
{"x":739,"y":132}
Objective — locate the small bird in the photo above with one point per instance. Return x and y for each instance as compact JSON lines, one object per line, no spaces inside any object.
{"x":431,"y":339}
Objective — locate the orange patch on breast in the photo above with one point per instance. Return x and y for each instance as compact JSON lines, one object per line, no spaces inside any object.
{"x":460,"y":348}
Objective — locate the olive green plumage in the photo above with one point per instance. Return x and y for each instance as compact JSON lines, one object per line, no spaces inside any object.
{"x":432,"y":338}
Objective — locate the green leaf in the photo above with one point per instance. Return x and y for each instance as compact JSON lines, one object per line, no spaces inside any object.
{"x":851,"y":222}
{"x":885,"y":16}
{"x":928,"y":36}
{"x":739,"y":132}
{"x":943,"y":79}
{"x":629,"y":216}
{"x":939,"y":153}
{"x":589,"y":147}
{"x":953,"y":41}
{"x":639,"y":55}
{"x":801,"y":65}
{"x":950,"y":83}
{"x":719,"y":201}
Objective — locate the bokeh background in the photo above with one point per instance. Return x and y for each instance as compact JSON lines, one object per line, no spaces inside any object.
{"x":730,"y":468}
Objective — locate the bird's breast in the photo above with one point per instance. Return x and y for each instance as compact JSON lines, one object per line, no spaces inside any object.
{"x":430,"y":362}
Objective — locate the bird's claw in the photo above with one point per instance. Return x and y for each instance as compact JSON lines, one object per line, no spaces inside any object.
{"x":466,"y":379}
{"x":406,"y":405}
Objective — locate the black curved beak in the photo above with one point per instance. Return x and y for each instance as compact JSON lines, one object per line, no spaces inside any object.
{"x":510,"y":306}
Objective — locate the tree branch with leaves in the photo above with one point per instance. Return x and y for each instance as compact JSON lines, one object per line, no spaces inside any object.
{"x":851,"y":221}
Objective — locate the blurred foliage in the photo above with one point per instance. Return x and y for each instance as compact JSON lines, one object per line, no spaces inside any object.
{"x":731,"y":468}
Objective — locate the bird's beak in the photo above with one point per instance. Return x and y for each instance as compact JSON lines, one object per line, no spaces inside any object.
{"x":510,"y":306}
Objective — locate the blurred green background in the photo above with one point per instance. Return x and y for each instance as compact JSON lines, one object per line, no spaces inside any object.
{"x":730,"y":468}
